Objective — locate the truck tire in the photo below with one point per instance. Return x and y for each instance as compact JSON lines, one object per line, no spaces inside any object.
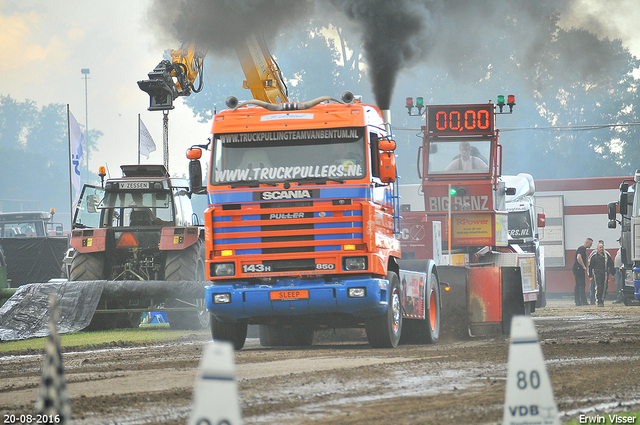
{"x":426,"y":331}
{"x":187,"y":264}
{"x":236,"y":332}
{"x":279,"y":336}
{"x":384,"y":331}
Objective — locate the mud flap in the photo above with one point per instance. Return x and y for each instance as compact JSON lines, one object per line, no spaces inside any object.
{"x":454,"y":317}
{"x":495,"y":296}
{"x":512,"y":299}
{"x":481,"y":301}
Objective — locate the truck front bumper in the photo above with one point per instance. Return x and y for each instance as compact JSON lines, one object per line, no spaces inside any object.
{"x":636,"y":283}
{"x":360,"y":297}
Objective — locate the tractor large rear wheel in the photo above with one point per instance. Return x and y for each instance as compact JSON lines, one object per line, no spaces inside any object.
{"x":87,"y":266}
{"x":91,"y":266}
{"x":187,"y":265}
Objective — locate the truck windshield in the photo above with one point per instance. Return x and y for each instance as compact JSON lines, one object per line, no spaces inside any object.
{"x":295,"y":155}
{"x":519,"y":224}
{"x":459,"y":157}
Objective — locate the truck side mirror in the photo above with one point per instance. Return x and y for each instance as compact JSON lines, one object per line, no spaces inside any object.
{"x":195,"y":170}
{"x":624,"y":202}
{"x":388,"y":167}
{"x":611,"y":211}
{"x":542,"y":220}
{"x":386,"y":145}
{"x":612,"y":224}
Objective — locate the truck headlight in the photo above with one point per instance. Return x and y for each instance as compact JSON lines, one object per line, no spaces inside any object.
{"x":354,"y":263}
{"x":357,"y":292}
{"x":222,"y":298}
{"x":223,"y":269}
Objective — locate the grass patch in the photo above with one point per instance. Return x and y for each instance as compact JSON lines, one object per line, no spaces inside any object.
{"x":142,"y":335}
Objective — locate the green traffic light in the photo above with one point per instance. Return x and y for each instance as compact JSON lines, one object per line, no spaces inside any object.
{"x":419,"y":101}
{"x":453,"y":191}
{"x":500,"y":99}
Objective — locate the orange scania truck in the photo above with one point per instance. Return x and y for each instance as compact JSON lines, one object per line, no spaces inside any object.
{"x":300,"y":226}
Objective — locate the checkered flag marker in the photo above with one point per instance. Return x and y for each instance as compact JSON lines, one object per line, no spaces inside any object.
{"x":53,"y":399}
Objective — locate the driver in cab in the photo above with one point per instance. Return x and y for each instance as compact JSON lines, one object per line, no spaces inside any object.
{"x":344,"y":156}
{"x":466,"y":163}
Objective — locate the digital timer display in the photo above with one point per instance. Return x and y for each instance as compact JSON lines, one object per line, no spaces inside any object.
{"x":460,"y":120}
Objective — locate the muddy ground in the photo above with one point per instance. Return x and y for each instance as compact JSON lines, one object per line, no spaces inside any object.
{"x":592,"y":355}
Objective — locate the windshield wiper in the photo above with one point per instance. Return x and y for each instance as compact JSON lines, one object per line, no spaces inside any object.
{"x":317,"y":181}
{"x":250,"y":183}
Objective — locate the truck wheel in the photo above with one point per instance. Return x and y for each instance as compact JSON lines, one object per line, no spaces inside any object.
{"x":188,"y":265}
{"x":384,"y":331}
{"x":279,"y":336}
{"x":426,"y":331}
{"x":236,"y":333}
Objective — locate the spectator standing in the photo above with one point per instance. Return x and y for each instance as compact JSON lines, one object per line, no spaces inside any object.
{"x":592,"y":282}
{"x":617,"y":263}
{"x":579,"y":268}
{"x":600,"y":265}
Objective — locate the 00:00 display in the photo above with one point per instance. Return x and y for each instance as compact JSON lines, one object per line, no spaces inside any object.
{"x":472,"y":120}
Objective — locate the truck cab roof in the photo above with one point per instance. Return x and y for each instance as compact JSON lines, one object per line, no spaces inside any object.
{"x":156,"y":175}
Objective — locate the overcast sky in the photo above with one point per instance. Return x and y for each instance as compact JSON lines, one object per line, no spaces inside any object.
{"x":45,"y":44}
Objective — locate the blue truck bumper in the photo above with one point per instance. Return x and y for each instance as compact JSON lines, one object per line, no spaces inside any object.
{"x":241,"y":300}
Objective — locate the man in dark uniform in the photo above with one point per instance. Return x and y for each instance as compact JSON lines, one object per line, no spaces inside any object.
{"x":579,"y":267}
{"x":600,"y":267}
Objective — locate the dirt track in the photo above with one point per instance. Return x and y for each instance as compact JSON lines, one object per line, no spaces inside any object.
{"x":592,"y":355}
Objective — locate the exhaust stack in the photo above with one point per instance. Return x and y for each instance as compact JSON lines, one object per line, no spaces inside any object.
{"x":386,"y":118}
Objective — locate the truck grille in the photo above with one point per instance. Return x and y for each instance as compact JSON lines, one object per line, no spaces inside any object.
{"x":287,"y":227}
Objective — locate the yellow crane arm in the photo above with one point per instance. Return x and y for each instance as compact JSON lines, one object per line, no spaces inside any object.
{"x":176,"y":77}
{"x":263,"y":77}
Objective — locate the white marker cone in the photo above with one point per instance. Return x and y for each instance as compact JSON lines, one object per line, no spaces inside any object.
{"x":215,"y":393}
{"x":529,"y":398}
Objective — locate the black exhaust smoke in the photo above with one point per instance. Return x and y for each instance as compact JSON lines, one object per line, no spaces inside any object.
{"x":393,"y":34}
{"x":220,"y":26}
{"x":392,"y":30}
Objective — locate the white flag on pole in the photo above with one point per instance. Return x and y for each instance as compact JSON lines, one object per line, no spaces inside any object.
{"x":147,"y":145}
{"x":76,"y":141}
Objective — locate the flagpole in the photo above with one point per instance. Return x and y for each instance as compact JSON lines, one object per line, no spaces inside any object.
{"x":138,"y":139}
{"x":69,"y":158}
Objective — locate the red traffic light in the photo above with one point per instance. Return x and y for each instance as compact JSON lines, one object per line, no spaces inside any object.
{"x":409,"y":102}
{"x":511,"y":100}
